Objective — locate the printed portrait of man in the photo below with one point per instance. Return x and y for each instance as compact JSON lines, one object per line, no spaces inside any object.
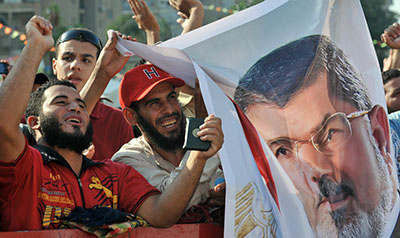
{"x":314,"y":112}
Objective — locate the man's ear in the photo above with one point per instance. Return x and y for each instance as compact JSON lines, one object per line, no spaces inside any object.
{"x":33,"y":122}
{"x":380,"y":130}
{"x":130,"y":116}
{"x":54,"y":62}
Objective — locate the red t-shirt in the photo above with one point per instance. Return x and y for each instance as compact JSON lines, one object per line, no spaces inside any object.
{"x":35,"y":190}
{"x":110,"y":131}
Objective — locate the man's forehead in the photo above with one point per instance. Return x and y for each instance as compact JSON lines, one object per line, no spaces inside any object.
{"x":60,"y":90}
{"x":394,"y":82}
{"x":305,"y":113}
{"x":77,"y":47}
{"x":160,"y":90}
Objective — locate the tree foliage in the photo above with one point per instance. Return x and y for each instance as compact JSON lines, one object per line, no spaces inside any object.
{"x":126,"y":25}
{"x":243,"y":4}
{"x":378,"y":17}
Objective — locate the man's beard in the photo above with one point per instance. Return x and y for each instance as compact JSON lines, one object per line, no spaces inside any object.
{"x":56,"y":137}
{"x":171,"y":143}
{"x":353,"y":222}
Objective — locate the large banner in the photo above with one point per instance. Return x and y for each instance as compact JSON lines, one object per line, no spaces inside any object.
{"x":297,"y":85}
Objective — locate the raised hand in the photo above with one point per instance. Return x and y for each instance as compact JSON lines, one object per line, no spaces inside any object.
{"x":391,"y":36}
{"x":39,"y":32}
{"x":110,"y":61}
{"x":191,"y":13}
{"x":145,"y":20}
{"x":211,"y":131}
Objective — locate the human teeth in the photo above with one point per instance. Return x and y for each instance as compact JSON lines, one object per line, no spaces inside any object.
{"x":74,"y":120}
{"x":168,"y":123}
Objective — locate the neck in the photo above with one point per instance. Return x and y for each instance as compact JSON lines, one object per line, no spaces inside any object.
{"x":174,"y":157}
{"x":73,"y":159}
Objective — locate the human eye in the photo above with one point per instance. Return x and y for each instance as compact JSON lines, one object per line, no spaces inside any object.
{"x":82,"y":105}
{"x":154,"y":105}
{"x":87,"y":60}
{"x":60,"y":102}
{"x":67,"y":58}
{"x":283,"y":149}
{"x":173,"y":97}
{"x":330,"y":137}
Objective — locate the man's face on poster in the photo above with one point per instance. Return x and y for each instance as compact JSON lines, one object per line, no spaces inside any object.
{"x":336,"y":157}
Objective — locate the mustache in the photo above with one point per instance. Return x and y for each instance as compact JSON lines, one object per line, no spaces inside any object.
{"x":332,"y":191}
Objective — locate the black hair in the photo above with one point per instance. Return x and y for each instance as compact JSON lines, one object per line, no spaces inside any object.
{"x":36,"y":99}
{"x":81,"y":39}
{"x":280,"y":75}
{"x":390,"y":74}
{"x":135,"y":105}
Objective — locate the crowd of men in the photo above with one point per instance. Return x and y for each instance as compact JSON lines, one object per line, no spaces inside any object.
{"x":67,"y":124}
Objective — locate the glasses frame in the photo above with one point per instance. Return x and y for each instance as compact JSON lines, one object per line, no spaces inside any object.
{"x":80,"y":35}
{"x":349,"y":117}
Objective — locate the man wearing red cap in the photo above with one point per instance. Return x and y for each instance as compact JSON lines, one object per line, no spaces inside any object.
{"x":149,"y":100}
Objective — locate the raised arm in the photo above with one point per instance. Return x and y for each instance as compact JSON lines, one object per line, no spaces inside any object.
{"x":16,"y":88}
{"x":391,"y":36}
{"x":164,"y":210}
{"x":110,"y":62}
{"x":191,"y":13}
{"x":145,"y":20}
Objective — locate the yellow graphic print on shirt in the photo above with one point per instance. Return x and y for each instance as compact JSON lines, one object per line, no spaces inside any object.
{"x":99,"y":185}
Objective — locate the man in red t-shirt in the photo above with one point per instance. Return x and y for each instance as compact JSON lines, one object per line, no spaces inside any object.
{"x":77,"y":51}
{"x":40,"y":184}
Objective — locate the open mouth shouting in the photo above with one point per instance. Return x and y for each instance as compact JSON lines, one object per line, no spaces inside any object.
{"x":169,"y":122}
{"x":74,"y":120}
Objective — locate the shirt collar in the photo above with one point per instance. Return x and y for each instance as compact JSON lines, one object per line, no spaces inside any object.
{"x":50,"y":155}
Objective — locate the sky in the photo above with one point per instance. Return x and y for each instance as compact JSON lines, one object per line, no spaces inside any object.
{"x":396,"y":7}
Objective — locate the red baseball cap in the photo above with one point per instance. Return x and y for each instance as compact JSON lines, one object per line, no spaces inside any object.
{"x":139,"y":81}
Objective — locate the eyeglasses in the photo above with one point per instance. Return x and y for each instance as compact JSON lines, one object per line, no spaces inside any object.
{"x":81,"y":35}
{"x":333,"y":135}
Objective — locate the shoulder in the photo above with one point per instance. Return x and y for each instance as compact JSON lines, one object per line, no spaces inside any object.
{"x":394,"y":120}
{"x":394,"y":115}
{"x":101,"y":110}
{"x":123,"y":170}
{"x":136,"y":148}
{"x":105,"y":109}
{"x":30,"y":156}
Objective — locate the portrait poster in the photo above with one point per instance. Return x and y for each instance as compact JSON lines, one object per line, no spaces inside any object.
{"x":307,"y":149}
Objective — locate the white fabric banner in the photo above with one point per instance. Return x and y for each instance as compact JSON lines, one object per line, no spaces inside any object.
{"x":312,"y":191}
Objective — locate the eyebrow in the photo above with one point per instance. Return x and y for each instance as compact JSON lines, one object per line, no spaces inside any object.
{"x":65,"y":97}
{"x":87,"y":55}
{"x":312,"y":132}
{"x":82,"y":55}
{"x":158,"y":99}
{"x":68,"y":53}
{"x":151,"y":100}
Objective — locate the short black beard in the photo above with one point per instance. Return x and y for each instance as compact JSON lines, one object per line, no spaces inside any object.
{"x":55,"y":137}
{"x":170,"y":144}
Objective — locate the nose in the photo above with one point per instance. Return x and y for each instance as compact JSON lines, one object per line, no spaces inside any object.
{"x":167,"y":108}
{"x":319,"y":164}
{"x":75,"y":64}
{"x":74,"y":106}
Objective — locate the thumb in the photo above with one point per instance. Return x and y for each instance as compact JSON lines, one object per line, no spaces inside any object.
{"x":180,"y":21}
{"x":112,"y":42}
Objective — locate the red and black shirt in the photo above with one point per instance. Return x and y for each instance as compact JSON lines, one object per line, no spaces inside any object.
{"x":39,"y":186}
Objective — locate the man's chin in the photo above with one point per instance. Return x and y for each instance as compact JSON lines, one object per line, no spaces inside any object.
{"x":346,"y":221}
